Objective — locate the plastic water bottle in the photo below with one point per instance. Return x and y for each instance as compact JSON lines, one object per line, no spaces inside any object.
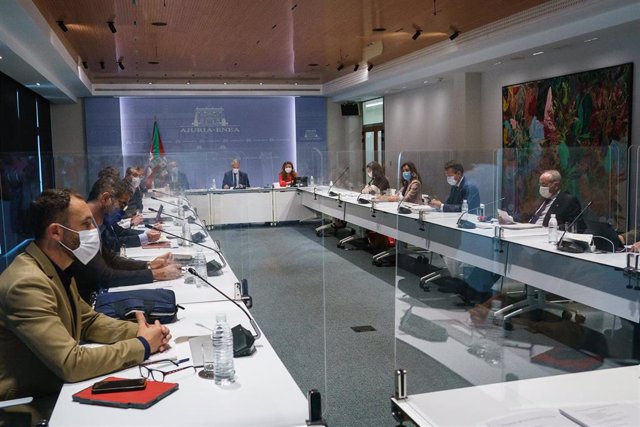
{"x":494,"y":335}
{"x":223,"y":372}
{"x":465,"y":206}
{"x":553,"y":229}
{"x":186,"y":233}
{"x":200,"y":265}
{"x":213,"y":184}
{"x":481,"y":211}
{"x":311,"y":181}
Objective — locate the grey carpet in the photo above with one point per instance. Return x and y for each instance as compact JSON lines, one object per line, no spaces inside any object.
{"x":307,"y":295}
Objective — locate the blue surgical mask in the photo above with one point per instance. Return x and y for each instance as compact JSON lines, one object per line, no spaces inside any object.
{"x":406,"y":175}
{"x":113,"y":217}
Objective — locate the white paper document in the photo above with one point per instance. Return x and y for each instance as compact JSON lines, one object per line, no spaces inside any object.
{"x":623,"y":414}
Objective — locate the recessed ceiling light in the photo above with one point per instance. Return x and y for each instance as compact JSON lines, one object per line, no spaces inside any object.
{"x":260,"y":83}
{"x":189,"y":82}
{"x":426,"y":82}
{"x":404,"y":87}
{"x":591,"y":39}
{"x":497,"y":63}
{"x":224,"y":83}
{"x":295,"y":84}
{"x":37,"y":84}
{"x":537,"y":53}
{"x":159,"y":24}
{"x":0,"y":57}
{"x":150,"y":83}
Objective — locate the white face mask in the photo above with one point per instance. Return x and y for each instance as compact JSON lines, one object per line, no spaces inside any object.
{"x":89,"y":244}
{"x":451,"y":180}
{"x":370,"y":174}
{"x":544,"y":192}
{"x":288,"y":170}
{"x":135,"y":181}
{"x":235,"y":170}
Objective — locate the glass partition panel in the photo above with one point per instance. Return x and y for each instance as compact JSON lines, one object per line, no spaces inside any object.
{"x":493,"y":296}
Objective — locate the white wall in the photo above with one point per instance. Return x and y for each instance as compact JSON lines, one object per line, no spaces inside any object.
{"x":344,"y":143}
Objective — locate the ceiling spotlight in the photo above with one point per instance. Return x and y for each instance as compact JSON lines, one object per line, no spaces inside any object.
{"x":102,"y":65}
{"x":62,"y":26}
{"x":340,"y":67}
{"x":85,"y":65}
{"x":416,"y":34}
{"x":112,"y":26}
{"x":370,"y":67}
{"x":454,"y":35}
{"x":120,"y":65}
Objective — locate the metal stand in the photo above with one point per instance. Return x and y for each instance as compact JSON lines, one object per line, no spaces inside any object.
{"x":315,"y":409}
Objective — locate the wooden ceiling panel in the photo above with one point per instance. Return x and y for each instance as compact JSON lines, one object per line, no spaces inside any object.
{"x":248,"y":40}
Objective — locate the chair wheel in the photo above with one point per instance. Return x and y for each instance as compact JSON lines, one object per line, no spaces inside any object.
{"x":580,"y":318}
{"x":566,"y":315}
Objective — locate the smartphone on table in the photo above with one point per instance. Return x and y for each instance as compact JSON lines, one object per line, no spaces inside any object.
{"x":119,"y":385}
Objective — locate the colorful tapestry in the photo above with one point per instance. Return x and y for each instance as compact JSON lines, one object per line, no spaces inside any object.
{"x":578,"y":124}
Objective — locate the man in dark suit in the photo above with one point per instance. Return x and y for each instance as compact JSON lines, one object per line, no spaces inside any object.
{"x":461,"y":189}
{"x":235,"y":178}
{"x":177,"y":179}
{"x":564,"y":205}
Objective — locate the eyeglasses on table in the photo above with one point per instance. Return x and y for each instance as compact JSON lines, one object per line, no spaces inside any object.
{"x":159,"y":375}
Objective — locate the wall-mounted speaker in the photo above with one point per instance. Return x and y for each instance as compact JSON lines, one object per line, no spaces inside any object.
{"x":350,"y":109}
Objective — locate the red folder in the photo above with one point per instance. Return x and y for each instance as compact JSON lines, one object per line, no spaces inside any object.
{"x":157,"y":245}
{"x":139,"y":399}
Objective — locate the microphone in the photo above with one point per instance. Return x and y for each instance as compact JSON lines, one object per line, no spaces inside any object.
{"x":164,"y":201}
{"x":213,"y":263}
{"x":160,"y":192}
{"x":613,"y":246}
{"x":243,"y":339}
{"x":403,"y":209}
{"x":572,"y":247}
{"x":190,"y":218}
{"x":362,"y":201}
{"x":331,"y":193}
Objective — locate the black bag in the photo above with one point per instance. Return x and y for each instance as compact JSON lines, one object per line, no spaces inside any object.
{"x":156,"y":304}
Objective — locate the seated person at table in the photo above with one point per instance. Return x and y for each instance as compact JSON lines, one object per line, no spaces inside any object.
{"x":133,"y":177}
{"x":177,"y":180}
{"x":461,"y":189}
{"x":411,"y":191}
{"x":113,"y":195}
{"x":107,"y":269}
{"x":287,"y":176}
{"x":378,"y":182}
{"x":235,"y":178}
{"x":565,"y":206}
{"x":43,"y":320}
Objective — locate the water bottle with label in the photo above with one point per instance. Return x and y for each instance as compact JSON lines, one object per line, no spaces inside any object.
{"x":465,"y":206}
{"x":553,"y":229}
{"x":223,"y":371}
{"x":481,"y":210}
{"x":213,"y":184}
{"x":200,"y":265}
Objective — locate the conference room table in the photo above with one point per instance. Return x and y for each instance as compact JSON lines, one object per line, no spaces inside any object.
{"x":263,"y":394}
{"x":594,"y":279}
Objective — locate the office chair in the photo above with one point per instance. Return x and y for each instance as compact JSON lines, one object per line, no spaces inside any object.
{"x":536,"y":300}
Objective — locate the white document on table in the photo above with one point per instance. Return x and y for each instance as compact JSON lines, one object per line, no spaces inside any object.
{"x":534,"y":418}
{"x":622,"y":414}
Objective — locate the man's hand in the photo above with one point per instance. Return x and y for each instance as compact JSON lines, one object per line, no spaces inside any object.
{"x":435,"y":203}
{"x":635,"y":247}
{"x":169,"y":272}
{"x":161,"y":261}
{"x":136,"y":220}
{"x":157,"y":335}
{"x":153,"y":235}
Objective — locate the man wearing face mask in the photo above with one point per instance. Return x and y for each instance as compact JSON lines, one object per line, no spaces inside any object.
{"x":235,"y":178}
{"x":565,"y":206}
{"x":461,"y":189}
{"x":43,"y":320}
{"x":177,"y":180}
{"x":133,"y":177}
{"x":107,"y":269}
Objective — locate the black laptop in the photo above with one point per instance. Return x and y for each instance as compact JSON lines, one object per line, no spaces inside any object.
{"x":302,"y":181}
{"x":605,"y":237}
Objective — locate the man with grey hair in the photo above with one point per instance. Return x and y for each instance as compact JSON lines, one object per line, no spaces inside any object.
{"x":564,"y":205}
{"x":235,"y":178}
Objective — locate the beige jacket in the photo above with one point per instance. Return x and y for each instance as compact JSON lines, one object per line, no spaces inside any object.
{"x":40,"y":336}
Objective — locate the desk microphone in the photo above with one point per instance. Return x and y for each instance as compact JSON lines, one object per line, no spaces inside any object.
{"x":334,"y":194}
{"x":469,"y":225}
{"x":572,"y":247}
{"x":215,"y":265}
{"x":161,"y":192}
{"x":403,"y":209}
{"x":164,"y":201}
{"x":190,"y":218}
{"x":360,"y":200}
{"x":488,"y":204}
{"x":243,"y":339}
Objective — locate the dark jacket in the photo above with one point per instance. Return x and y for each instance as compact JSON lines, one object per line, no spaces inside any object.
{"x":242,"y":177}
{"x":114,"y":236}
{"x":464,"y":191}
{"x":567,"y":208}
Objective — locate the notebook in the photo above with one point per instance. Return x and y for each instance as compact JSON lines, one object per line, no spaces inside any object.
{"x":138,"y":399}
